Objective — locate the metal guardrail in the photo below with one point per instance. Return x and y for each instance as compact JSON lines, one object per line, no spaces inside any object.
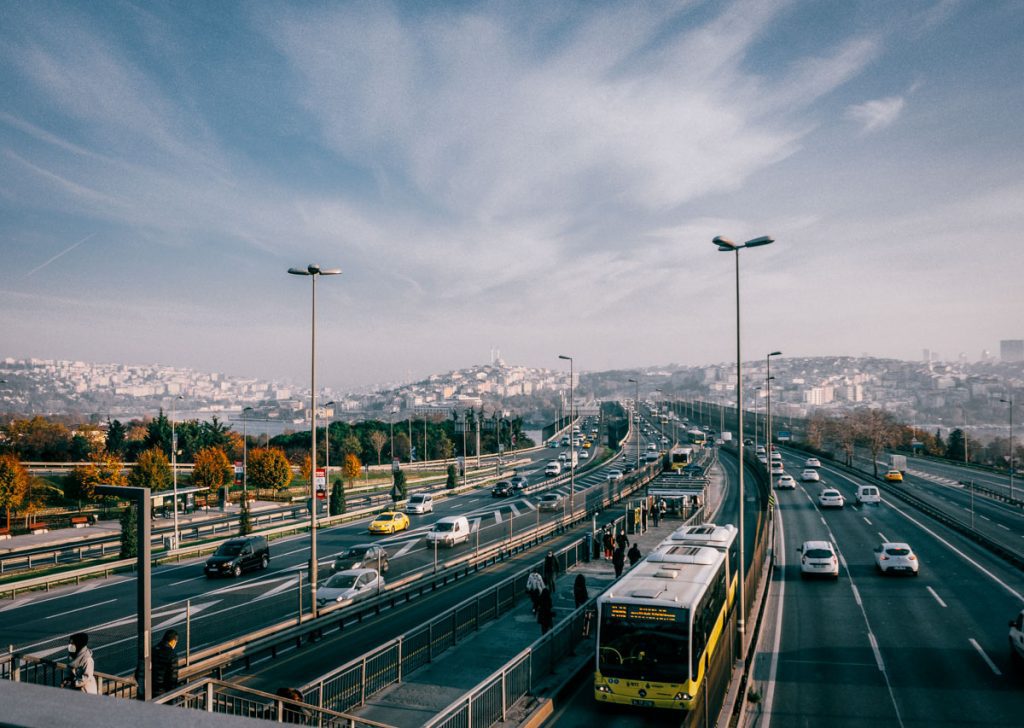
{"x":42,"y":671}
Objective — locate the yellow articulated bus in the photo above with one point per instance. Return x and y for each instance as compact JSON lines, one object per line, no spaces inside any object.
{"x":680,"y":457}
{"x":696,"y":436}
{"x":659,"y":625}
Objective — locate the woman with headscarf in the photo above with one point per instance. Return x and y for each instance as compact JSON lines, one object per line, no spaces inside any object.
{"x":80,"y":672}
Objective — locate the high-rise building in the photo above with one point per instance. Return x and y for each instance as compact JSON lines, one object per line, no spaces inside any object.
{"x":1011,"y":350}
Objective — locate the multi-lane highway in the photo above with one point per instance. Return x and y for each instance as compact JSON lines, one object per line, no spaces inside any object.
{"x":886,"y":650}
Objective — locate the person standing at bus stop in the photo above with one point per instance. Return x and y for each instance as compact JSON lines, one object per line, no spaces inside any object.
{"x":619,"y":560}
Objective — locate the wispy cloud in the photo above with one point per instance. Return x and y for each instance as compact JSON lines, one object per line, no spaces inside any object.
{"x":877,"y":113}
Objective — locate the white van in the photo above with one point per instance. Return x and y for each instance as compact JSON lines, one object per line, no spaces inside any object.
{"x":553,"y":468}
{"x":449,"y":531}
{"x":420,"y":503}
{"x":868,"y":494}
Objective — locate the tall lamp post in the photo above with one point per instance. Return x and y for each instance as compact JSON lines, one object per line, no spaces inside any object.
{"x":327,"y":448}
{"x":313,"y":271}
{"x":572,"y":414}
{"x":768,"y":379}
{"x":636,"y":418}
{"x":725,"y":246}
{"x":1008,"y":401}
{"x":245,"y":457}
{"x":174,"y":466}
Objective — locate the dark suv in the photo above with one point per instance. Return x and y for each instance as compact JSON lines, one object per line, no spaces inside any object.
{"x":237,"y":555}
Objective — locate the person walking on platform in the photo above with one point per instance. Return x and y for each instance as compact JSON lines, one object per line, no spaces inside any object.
{"x":579,"y":591}
{"x":634,"y":555}
{"x":545,"y":612}
{"x":618,"y":560}
{"x":609,"y":542}
{"x":534,"y":586}
{"x":551,"y":570}
{"x":621,"y":539}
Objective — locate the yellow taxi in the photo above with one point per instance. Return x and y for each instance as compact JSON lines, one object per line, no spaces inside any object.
{"x":586,"y":444}
{"x":894,"y":476}
{"x":389,"y":522}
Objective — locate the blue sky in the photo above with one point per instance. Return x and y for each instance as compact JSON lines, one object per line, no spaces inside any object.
{"x":542,"y":178}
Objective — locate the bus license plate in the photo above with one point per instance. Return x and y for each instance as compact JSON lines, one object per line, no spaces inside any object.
{"x":643,"y":703}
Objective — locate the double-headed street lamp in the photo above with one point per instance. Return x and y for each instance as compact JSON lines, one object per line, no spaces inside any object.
{"x":768,"y":379}
{"x":725,"y":246}
{"x":636,"y":419}
{"x":572,"y":445}
{"x":1007,"y":401}
{"x":313,"y":271}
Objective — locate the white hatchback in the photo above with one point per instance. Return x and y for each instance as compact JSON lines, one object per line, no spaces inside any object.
{"x":785,"y":482}
{"x":896,"y":557}
{"x":810,"y":475}
{"x":831,"y":498}
{"x":777,"y":469}
{"x":818,"y":558}
{"x":812,"y":463}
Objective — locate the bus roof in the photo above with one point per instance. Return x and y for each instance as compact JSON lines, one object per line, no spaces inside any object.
{"x":675,"y":579}
{"x":707,"y":534}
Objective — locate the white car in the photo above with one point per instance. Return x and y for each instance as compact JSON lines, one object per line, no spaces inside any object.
{"x":584,"y":454}
{"x":1017,"y":638}
{"x":350,"y":585}
{"x":553,"y":468}
{"x":868,"y":494}
{"x":785,"y":482}
{"x":831,"y":498}
{"x":812,"y":463}
{"x":777,"y":469}
{"x":614,"y":475}
{"x":763,"y":458}
{"x":810,"y":475}
{"x":651,"y":447}
{"x":550,"y":502}
{"x":818,"y":558}
{"x":760,"y":450}
{"x":896,"y":557}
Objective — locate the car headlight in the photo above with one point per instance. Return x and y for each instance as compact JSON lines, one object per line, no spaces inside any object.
{"x":603,"y":689}
{"x":682,"y":696}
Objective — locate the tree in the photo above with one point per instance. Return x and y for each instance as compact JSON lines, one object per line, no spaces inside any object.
{"x":446,"y":446}
{"x":401,"y":446}
{"x":352,"y":467}
{"x":955,"y":445}
{"x":337,"y":504}
{"x":117,"y":435}
{"x":152,"y":470}
{"x":398,"y":487}
{"x":269,"y":469}
{"x":350,"y":445}
{"x":212,"y":469}
{"x":39,"y":439}
{"x":452,"y":482}
{"x":840,"y":430}
{"x":101,"y":469}
{"x":876,"y":430}
{"x":378,"y":440}
{"x":129,"y":532}
{"x":14,"y":480}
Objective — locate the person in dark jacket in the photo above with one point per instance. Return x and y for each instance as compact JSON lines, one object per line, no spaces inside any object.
{"x":545,"y":612}
{"x":608,"y":541}
{"x":579,"y":590}
{"x":619,"y":560}
{"x":165,"y":664}
{"x":551,"y":570}
{"x":621,"y":539}
{"x":633,"y":554}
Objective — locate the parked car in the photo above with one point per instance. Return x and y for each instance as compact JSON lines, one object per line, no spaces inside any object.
{"x":818,"y":558}
{"x":420,"y":503}
{"x":349,"y":585}
{"x":810,"y":475}
{"x":389,"y":522}
{"x":894,"y":476}
{"x":238,"y":555}
{"x":502,"y":489}
{"x":364,"y":555}
{"x":894,"y":556}
{"x":868,"y":494}
{"x":831,"y":498}
{"x":786,"y":482}
{"x":812,"y":463}
{"x":449,"y":531}
{"x":550,"y":502}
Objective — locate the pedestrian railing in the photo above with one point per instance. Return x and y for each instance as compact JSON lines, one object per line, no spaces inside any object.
{"x":19,"y":667}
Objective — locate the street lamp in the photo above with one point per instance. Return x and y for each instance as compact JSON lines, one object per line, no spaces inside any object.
{"x":636,"y":419}
{"x":572,"y":414}
{"x":756,"y":397}
{"x":725,"y":245}
{"x":245,"y":457}
{"x":327,"y":447}
{"x":313,"y":271}
{"x":174,"y":466}
{"x":769,"y":378}
{"x":1009,"y":401}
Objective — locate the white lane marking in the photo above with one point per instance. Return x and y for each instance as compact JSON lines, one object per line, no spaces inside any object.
{"x":185,"y":581}
{"x":474,"y":525}
{"x":878,"y":660}
{"x":937,"y":597}
{"x":777,"y":647}
{"x":79,"y":609}
{"x":986,"y":658}
{"x":882,"y":536}
{"x":986,"y":518}
{"x":404,"y":550}
{"x":515,"y":511}
{"x":856,"y":593}
{"x":867,"y":521}
{"x":842,"y":559}
{"x":497,"y":517}
{"x":823,"y":520}
{"x":1007,"y":528}
{"x":277,"y":589}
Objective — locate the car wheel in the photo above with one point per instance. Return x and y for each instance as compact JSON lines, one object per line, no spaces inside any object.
{"x":264,"y":561}
{"x":236,"y":571}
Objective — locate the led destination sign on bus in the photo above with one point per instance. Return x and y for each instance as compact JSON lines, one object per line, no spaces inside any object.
{"x":644,"y":613}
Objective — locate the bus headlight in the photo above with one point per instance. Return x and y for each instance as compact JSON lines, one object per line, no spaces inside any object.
{"x":603,"y":689}
{"x":683,"y":696}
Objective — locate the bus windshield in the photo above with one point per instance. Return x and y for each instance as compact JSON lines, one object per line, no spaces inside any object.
{"x":644,"y":642}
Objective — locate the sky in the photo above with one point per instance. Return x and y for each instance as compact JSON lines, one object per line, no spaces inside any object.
{"x":534,"y":177}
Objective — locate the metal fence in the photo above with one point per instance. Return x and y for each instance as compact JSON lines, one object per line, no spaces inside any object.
{"x":42,"y":671}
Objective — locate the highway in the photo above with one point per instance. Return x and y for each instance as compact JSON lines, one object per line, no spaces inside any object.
{"x":39,"y":623}
{"x":889,"y":650}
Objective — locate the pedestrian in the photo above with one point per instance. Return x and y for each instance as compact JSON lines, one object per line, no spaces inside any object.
{"x":608,"y":541}
{"x":656,"y":513}
{"x":291,"y":713}
{"x":621,"y":539}
{"x":165,"y":664}
{"x":619,"y":560}
{"x":545,"y":612}
{"x":551,"y":570}
{"x":579,"y":590}
{"x":80,"y":673}
{"x":633,"y":554}
{"x":663,"y":507}
{"x":534,"y":586}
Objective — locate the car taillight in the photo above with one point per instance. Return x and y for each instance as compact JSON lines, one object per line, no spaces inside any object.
{"x":912,"y":557}
{"x":885,"y":558}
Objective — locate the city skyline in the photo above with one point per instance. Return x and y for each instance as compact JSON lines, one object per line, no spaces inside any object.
{"x":540,"y":179}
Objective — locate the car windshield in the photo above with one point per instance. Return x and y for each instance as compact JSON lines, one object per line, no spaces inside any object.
{"x":358,"y":551}
{"x":550,"y":498}
{"x":830,"y":493}
{"x":651,"y":648}
{"x":231,"y":548}
{"x":443,"y":526}
{"x":416,"y":499}
{"x":342,"y":581}
{"x":385,"y":516}
{"x":818,"y":554}
{"x":898,"y":552}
